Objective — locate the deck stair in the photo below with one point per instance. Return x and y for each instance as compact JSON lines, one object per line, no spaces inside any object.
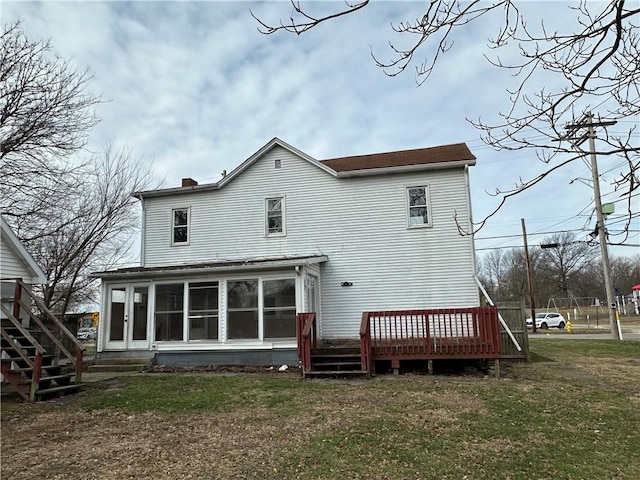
{"x":335,"y":359}
{"x":20,"y":358}
{"x":31,"y":369}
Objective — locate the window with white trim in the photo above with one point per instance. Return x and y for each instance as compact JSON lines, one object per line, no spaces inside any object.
{"x":279,"y":308}
{"x":180,"y":226}
{"x":169,"y":312}
{"x":203,"y":310}
{"x":418,"y":207}
{"x":242,"y":309}
{"x":274,"y":216}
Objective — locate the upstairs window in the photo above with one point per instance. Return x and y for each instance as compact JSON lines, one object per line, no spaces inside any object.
{"x":274,"y":216}
{"x":180,"y":226}
{"x":418,"y":206}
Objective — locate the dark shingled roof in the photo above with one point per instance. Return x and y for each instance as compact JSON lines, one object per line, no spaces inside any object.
{"x":420,"y":156}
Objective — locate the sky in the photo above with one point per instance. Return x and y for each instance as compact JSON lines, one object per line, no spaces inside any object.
{"x":193,"y":88}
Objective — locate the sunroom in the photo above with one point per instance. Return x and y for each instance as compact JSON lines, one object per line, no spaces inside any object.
{"x":233,"y":312}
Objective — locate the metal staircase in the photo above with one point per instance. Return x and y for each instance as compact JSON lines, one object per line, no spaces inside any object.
{"x":35,"y":361}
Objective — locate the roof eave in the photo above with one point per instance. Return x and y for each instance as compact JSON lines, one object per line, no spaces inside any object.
{"x":199,"y":270}
{"x":406,"y":168}
{"x":176,"y":190}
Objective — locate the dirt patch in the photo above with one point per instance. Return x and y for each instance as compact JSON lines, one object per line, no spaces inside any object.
{"x":58,"y":441}
{"x":222,"y":369}
{"x":111,"y":445}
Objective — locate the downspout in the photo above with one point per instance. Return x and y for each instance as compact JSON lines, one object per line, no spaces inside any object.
{"x":143,"y":231}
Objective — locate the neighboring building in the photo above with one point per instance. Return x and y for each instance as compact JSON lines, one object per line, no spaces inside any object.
{"x":225,"y":267}
{"x":15,"y":262}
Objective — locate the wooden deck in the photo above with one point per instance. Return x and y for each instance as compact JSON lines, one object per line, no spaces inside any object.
{"x":450,"y":333}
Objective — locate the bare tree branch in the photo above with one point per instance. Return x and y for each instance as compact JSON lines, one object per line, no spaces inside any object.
{"x":596,"y":62}
{"x":46,"y":114}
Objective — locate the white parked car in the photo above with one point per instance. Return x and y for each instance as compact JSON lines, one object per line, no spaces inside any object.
{"x":86,"y":333}
{"x":546,"y":320}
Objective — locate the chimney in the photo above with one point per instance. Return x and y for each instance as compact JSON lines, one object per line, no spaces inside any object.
{"x":189,"y":182}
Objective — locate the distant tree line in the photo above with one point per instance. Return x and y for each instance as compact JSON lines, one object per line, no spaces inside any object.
{"x":570,"y":269}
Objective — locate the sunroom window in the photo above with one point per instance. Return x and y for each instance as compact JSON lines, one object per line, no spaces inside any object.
{"x":242,"y":309}
{"x":279,"y":312}
{"x":203,"y":311}
{"x":169,"y":311}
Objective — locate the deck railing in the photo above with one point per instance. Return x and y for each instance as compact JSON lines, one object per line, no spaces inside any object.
{"x":307,"y":335}
{"x":430,"y":334}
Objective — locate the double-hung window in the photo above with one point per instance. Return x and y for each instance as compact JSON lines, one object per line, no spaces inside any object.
{"x":275,"y":216}
{"x":418,"y":207}
{"x":180,"y":226}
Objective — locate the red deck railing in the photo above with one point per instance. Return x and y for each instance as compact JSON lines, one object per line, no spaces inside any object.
{"x":431,"y":334}
{"x":307,"y":335}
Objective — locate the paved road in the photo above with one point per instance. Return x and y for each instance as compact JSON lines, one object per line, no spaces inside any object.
{"x":635,"y":335}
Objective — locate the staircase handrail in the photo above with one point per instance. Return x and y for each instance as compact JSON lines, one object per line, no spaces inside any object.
{"x":14,"y":321}
{"x":307,"y":335}
{"x":77,"y":360}
{"x":365,"y":343}
{"x":36,"y":365}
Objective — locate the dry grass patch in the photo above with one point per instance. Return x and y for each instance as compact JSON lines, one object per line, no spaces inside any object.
{"x":565,"y":418}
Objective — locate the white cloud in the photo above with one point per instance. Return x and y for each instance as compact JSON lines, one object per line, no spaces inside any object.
{"x":194,"y":88}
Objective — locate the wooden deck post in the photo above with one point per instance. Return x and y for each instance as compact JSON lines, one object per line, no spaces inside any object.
{"x":430,"y":366}
{"x":395,"y":364}
{"x":496,"y":368}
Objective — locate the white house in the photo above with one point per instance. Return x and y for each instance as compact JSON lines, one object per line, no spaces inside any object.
{"x":15,"y":262}
{"x":226,"y":266}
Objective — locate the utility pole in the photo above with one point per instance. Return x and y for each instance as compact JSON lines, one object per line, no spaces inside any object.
{"x":602,"y":233}
{"x":529,"y":276}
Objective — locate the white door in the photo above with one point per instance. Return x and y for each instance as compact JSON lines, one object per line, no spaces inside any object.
{"x":127,"y":317}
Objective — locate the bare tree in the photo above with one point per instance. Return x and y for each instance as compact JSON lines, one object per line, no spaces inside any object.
{"x":562,"y":257}
{"x":491,"y":270}
{"x":93,"y":226}
{"x":74,"y":214}
{"x":46,"y":113}
{"x":595,"y":60}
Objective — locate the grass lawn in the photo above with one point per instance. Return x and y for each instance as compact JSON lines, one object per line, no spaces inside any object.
{"x":573,"y":413}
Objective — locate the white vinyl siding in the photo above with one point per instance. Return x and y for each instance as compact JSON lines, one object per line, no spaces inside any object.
{"x":360,"y":223}
{"x":11,"y":265}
